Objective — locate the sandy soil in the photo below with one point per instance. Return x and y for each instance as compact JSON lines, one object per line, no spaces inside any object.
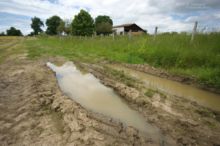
{"x":33,"y":111}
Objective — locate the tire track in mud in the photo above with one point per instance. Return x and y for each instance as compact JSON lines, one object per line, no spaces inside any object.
{"x":35,"y":112}
{"x":180,"y":120}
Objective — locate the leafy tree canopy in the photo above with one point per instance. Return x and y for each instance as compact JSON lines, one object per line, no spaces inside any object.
{"x":100,"y":19}
{"x":104,"y":28}
{"x":83,"y":24}
{"x":61,"y":27}
{"x":53,"y":24}
{"x":2,"y":34}
{"x":13,"y":32}
{"x":103,"y":24}
{"x":36,"y":25}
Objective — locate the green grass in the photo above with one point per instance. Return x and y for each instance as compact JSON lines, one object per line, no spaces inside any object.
{"x":10,"y":46}
{"x":173,"y":52}
{"x":150,"y":93}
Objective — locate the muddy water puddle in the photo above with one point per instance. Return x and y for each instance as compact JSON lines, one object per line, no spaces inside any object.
{"x":91,"y":94}
{"x":202,"y":97}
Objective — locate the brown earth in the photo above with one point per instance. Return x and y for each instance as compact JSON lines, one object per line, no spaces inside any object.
{"x":181,"y":120}
{"x":33,"y":111}
{"x":164,"y":74}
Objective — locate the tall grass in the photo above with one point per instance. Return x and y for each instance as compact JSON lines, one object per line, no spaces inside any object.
{"x":173,"y":52}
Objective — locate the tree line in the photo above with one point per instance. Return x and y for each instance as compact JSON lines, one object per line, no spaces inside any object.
{"x":11,"y":32}
{"x":82,"y":25}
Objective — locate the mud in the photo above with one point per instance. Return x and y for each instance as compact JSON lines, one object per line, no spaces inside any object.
{"x":181,"y":120}
{"x":87,"y":90}
{"x":202,"y":97}
{"x":164,"y":74}
{"x":34,"y":111}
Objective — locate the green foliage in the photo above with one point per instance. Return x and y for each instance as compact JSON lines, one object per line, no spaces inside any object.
{"x":2,"y":34}
{"x":53,"y":24}
{"x":150,"y":93}
{"x":101,"y":19}
{"x":61,"y":27}
{"x":172,"y":52}
{"x":103,"y":24}
{"x":83,"y":24}
{"x":104,"y":28}
{"x":36,"y":25}
{"x":67,"y":27}
{"x":121,"y":76}
{"x":31,"y":34}
{"x":13,"y":32}
{"x":64,"y":27}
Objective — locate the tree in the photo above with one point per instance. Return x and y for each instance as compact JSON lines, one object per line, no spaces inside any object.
{"x":61,"y":27}
{"x":104,"y":28}
{"x":53,"y":24}
{"x":13,"y":32}
{"x":103,"y":24}
{"x":31,"y":34}
{"x":2,"y":34}
{"x":67,"y":27}
{"x":64,"y":27}
{"x":36,"y":25}
{"x":83,"y":24}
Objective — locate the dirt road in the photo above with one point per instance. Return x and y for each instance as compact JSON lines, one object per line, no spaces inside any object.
{"x":33,"y":111}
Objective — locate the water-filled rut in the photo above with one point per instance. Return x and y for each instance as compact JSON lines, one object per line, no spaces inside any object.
{"x":92,"y":95}
{"x":202,"y":97}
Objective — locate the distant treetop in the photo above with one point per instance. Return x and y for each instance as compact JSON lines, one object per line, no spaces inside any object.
{"x":36,"y":25}
{"x":52,"y":25}
{"x":83,"y":24}
{"x":13,"y":32}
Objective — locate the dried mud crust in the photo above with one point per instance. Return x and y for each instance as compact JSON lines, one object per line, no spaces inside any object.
{"x":33,"y":111}
{"x":180,"y":120}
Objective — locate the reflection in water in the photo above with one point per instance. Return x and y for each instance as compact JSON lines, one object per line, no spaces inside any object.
{"x":202,"y":97}
{"x":91,"y":94}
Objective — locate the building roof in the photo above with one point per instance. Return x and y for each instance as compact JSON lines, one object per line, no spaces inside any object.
{"x":123,"y":25}
{"x":128,"y":25}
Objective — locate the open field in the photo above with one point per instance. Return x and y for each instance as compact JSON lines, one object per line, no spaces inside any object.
{"x":34,"y":111}
{"x":172,"y":52}
{"x":10,"y":46}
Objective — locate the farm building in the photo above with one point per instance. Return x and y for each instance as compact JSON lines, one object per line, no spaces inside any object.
{"x":125,"y":28}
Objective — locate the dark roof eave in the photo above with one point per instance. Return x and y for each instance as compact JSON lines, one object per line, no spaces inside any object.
{"x":123,"y":25}
{"x":126,"y":25}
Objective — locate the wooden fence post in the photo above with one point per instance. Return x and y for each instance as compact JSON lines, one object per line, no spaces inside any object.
{"x":102,"y":35}
{"x":194,"y":31}
{"x":95,"y":34}
{"x":129,"y":34}
{"x":113,"y":36}
{"x":155,"y":32}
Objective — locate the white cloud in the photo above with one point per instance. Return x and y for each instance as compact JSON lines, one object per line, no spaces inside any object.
{"x":145,"y":13}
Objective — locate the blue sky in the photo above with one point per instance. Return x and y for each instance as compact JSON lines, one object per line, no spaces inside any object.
{"x":169,"y":15}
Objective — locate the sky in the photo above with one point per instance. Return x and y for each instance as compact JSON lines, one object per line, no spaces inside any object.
{"x":168,"y":15}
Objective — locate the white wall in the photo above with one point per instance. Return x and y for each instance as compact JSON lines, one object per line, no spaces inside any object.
{"x":119,"y":30}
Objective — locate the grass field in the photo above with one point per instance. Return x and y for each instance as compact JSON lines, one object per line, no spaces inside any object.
{"x":10,"y":45}
{"x":173,"y":52}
